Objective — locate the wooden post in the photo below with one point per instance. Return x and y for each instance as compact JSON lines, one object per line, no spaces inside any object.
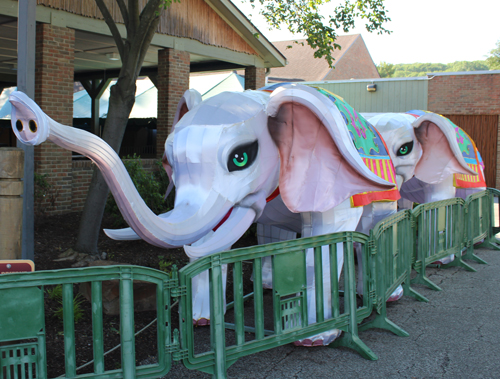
{"x":11,"y":202}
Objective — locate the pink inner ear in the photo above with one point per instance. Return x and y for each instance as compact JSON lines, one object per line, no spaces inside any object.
{"x":314,"y":176}
{"x":438,"y":161}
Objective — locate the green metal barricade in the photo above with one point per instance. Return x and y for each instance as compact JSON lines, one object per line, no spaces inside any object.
{"x":393,"y":245}
{"x":261,"y":319}
{"x":439,"y":232}
{"x":22,"y":318}
{"x":287,"y":322}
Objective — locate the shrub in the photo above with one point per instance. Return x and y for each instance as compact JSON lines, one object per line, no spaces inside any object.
{"x":55,"y":294}
{"x":44,"y":195}
{"x":151,"y":187}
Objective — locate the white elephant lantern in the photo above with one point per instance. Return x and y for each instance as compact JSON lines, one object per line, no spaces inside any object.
{"x":229,"y":156}
{"x":434,"y":158}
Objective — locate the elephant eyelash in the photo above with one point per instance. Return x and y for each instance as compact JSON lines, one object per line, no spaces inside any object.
{"x":242,"y":156}
{"x":405,"y":149}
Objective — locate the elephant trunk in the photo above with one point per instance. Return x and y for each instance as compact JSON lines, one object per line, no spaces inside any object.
{"x":184,"y":225}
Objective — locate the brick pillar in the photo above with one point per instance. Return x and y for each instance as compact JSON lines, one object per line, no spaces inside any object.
{"x":173,"y":81}
{"x":255,"y":77}
{"x":54,"y":73}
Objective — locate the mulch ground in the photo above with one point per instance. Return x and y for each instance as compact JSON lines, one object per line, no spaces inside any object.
{"x":56,"y":234}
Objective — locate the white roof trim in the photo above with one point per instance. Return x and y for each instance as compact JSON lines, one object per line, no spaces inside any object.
{"x":464,"y":73}
{"x":367,"y":80}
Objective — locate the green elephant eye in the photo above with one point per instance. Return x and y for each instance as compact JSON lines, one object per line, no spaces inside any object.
{"x":242,"y":156}
{"x":405,"y":149}
{"x":240,"y":161}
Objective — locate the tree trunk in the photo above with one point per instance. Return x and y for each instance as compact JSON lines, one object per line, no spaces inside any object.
{"x":121,"y":101}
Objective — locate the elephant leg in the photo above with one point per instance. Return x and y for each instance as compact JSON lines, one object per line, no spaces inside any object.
{"x":441,"y":191}
{"x":405,"y":204}
{"x":201,"y":292}
{"x":269,"y":234}
{"x":372,"y":214}
{"x":339,"y":219}
{"x":277,"y":223}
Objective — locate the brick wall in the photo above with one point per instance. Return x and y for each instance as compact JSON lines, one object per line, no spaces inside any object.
{"x":173,"y":81}
{"x":54,"y":93}
{"x":355,"y":63}
{"x":467,"y":94}
{"x":255,"y":77}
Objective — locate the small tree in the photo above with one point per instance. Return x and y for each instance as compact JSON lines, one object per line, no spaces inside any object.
{"x":493,"y":60}
{"x":302,"y":16}
{"x":386,"y":70}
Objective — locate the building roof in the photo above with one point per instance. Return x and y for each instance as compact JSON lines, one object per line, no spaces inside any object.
{"x":302,"y":66}
{"x":214,"y":32}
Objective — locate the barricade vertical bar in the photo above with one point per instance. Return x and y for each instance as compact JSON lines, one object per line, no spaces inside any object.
{"x":42,"y":353}
{"x":334,"y":280}
{"x":127,"y":324}
{"x":163,"y":324}
{"x":318,"y":283}
{"x":493,"y":230}
{"x":217,"y":330}
{"x":239,"y":320}
{"x":69,"y":330}
{"x":97,"y":328}
{"x":258,"y":299}
{"x":350,"y":337}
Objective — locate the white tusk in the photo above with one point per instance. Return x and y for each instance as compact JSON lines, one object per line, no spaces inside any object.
{"x":227,"y":234}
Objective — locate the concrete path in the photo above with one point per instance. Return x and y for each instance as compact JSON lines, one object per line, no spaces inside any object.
{"x":455,"y":335}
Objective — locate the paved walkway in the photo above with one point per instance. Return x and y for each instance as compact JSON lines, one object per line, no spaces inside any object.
{"x":455,"y":335}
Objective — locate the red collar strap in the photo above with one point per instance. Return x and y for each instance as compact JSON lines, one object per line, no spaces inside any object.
{"x":273,"y":195}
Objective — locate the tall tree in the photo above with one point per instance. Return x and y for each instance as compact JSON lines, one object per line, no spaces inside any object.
{"x":141,"y":25}
{"x":301,"y":16}
{"x":493,"y":60}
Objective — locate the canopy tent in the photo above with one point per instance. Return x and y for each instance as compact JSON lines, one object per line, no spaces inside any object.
{"x":146,"y":96}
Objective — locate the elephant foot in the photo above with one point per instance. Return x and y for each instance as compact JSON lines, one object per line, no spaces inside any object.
{"x":322,"y":339}
{"x":201,"y":322}
{"x":396,"y":295}
{"x":445,"y":260}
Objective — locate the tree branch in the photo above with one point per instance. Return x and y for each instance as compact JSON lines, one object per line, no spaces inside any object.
{"x":111,"y":25}
{"x":134,"y":19}
{"x":145,"y":44}
{"x":151,"y":10}
{"x":149,"y":20}
{"x":123,"y":11}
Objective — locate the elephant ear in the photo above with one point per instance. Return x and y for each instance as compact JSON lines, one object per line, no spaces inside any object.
{"x":189,"y":100}
{"x":320,"y":166}
{"x":442,"y":152}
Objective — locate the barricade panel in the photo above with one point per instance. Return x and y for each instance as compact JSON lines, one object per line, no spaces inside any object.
{"x":279,"y":316}
{"x":392,"y":242}
{"x":25,"y":293}
{"x":477,"y":222}
{"x":440,"y":227}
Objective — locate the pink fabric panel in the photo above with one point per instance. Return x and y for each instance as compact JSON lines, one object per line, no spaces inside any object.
{"x":438,"y":161}
{"x":314,"y":176}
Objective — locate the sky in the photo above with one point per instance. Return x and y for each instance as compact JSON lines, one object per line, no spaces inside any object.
{"x":425,"y":31}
